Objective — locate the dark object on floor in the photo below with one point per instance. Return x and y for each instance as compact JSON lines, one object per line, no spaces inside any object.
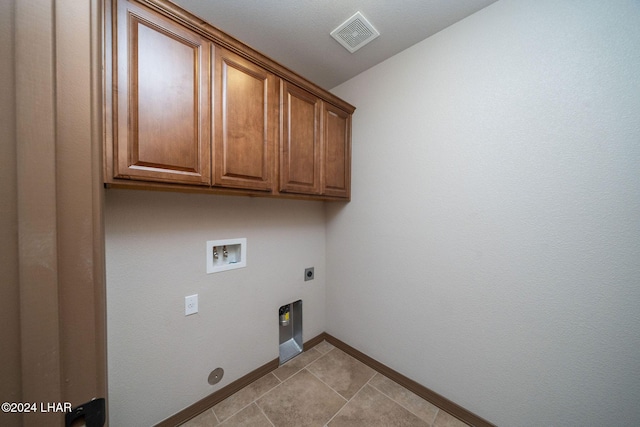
{"x":93,"y":413}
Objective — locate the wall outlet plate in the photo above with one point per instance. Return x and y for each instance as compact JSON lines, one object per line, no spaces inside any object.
{"x":308,"y":274}
{"x":190,"y":305}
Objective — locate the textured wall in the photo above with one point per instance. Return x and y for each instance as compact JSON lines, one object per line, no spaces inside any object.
{"x":491,"y":250}
{"x":159,"y":359}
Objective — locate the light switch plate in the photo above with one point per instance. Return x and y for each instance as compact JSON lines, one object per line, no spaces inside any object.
{"x":190,"y":305}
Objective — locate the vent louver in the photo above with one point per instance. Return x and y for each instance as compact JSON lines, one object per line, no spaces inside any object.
{"x":355,"y":32}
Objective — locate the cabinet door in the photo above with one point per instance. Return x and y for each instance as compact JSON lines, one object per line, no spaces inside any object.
{"x":162,"y":94}
{"x":336,"y":168}
{"x":246,"y":106}
{"x":300,"y":149}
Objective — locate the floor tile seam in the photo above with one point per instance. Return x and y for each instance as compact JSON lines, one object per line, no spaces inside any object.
{"x":339,"y":410}
{"x":373,"y":375}
{"x":332,"y":389}
{"x":394,"y":401}
{"x":253,"y":401}
{"x":272,"y":389}
{"x":283,"y":380}
{"x":332,"y":347}
{"x":260,"y":409}
{"x":265,"y":414}
{"x":235,"y":413}
{"x":348,"y":401}
{"x":313,"y":361}
{"x":215,"y":415}
{"x":349,"y":356}
{"x":363,"y":386}
{"x":403,"y":406}
{"x":317,"y":351}
{"x":435,"y":417}
{"x":358,"y":362}
{"x":203,"y":413}
{"x":321,"y":355}
{"x":316,"y":360}
{"x":336,"y":414}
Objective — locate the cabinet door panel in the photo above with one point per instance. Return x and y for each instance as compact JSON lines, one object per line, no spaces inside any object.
{"x":246,"y":123}
{"x":337,"y":152}
{"x":300,"y":145}
{"x":163,"y":98}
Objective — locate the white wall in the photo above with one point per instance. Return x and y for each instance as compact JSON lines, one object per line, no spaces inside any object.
{"x":159,"y":360}
{"x":491,"y":250}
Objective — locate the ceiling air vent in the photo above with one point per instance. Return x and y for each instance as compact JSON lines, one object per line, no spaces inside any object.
{"x":355,"y":32}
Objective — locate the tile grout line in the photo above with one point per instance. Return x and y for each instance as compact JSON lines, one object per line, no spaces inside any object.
{"x":234,"y":414}
{"x":347,"y":401}
{"x":435,"y":415}
{"x":215,"y":415}
{"x":430,"y":423}
{"x":304,"y":368}
{"x":338,"y":393}
{"x":253,"y":401}
{"x":313,"y":361}
{"x":403,"y":406}
{"x":265,"y":414}
{"x":280,"y":382}
{"x":352,"y":397}
{"x":327,"y":348}
{"x":341,"y":408}
{"x":335,"y":391}
{"x":332,"y":389}
{"x":318,"y":377}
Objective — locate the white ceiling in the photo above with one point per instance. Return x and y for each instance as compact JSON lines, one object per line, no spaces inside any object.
{"x":295,"y":33}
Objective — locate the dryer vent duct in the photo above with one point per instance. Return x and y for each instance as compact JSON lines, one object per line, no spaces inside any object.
{"x":355,"y":32}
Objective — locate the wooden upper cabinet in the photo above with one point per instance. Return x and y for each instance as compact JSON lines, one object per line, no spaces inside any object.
{"x":336,"y":165}
{"x":315,"y":146}
{"x":189,"y":108}
{"x":300,"y":148}
{"x":246,"y":123}
{"x":163,"y":99}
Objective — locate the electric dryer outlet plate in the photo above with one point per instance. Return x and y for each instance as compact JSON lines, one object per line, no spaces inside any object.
{"x":308,"y":274}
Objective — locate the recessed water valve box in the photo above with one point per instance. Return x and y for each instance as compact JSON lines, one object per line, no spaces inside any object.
{"x":223,"y":255}
{"x":290,"y":330}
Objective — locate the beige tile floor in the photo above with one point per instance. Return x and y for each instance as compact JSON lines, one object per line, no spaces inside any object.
{"x":324,"y":387}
